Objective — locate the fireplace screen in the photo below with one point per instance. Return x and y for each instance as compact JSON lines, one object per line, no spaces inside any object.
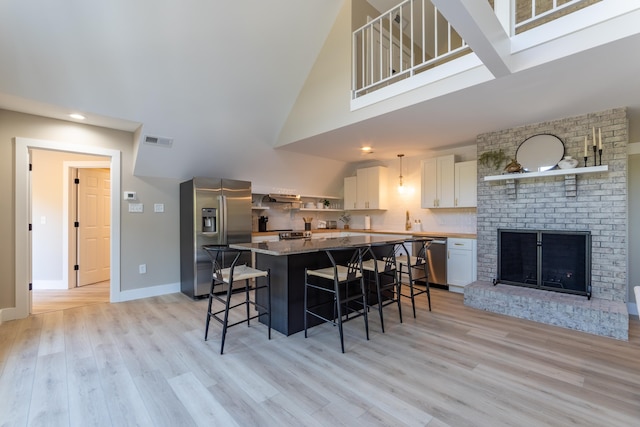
{"x":552,"y":260}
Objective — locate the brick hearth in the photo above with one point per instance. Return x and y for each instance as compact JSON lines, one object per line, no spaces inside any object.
{"x":595,"y":316}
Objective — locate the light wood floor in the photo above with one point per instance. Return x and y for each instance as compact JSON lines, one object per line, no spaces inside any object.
{"x":145,"y":363}
{"x":46,"y":300}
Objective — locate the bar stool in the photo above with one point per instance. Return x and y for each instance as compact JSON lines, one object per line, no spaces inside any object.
{"x":224,"y":278}
{"x":343,"y":288}
{"x":382,"y":266}
{"x":416,"y":269}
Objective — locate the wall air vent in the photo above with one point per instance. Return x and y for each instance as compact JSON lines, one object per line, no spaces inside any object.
{"x":158,"y":141}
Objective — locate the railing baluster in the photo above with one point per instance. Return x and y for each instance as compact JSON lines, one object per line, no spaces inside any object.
{"x":424,"y":31}
{"x":435,"y":29}
{"x":412,"y":59}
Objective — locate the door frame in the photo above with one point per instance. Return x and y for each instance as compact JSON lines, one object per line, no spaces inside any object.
{"x":22,"y":204}
{"x":69,"y":243}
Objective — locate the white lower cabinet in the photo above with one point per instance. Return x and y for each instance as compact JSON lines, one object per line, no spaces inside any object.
{"x":461,"y":263}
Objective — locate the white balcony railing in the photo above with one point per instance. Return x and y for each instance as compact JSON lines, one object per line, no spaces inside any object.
{"x":531,"y":13}
{"x":414,"y":37}
{"x":408,"y":39}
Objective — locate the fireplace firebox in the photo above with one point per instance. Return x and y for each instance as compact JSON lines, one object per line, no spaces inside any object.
{"x":552,"y":260}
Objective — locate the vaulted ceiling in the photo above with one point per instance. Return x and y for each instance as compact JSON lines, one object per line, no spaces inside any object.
{"x":221,"y":79}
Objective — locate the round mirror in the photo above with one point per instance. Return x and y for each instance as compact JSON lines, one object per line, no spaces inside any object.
{"x":540,"y":153}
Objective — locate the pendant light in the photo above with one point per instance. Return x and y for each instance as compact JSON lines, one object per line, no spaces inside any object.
{"x":400,"y":184}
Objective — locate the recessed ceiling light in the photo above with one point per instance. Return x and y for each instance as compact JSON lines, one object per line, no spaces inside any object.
{"x":77,"y":116}
{"x":366,"y":149}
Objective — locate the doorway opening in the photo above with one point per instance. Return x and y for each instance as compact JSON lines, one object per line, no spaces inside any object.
{"x":70,"y":230}
{"x":23,"y":219}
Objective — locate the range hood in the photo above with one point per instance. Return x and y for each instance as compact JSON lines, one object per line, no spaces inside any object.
{"x":284,"y":198}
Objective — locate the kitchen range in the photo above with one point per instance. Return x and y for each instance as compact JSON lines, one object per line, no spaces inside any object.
{"x":294,"y":235}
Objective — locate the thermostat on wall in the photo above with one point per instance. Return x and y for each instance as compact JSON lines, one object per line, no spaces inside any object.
{"x":130,"y":195}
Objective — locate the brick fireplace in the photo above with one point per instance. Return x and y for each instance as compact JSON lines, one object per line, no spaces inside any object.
{"x":596,"y":203}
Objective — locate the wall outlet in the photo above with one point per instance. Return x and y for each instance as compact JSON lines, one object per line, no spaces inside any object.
{"x":158,"y":207}
{"x":142,"y":268}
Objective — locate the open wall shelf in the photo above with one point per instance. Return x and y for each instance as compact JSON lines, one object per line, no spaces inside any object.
{"x":554,"y":172}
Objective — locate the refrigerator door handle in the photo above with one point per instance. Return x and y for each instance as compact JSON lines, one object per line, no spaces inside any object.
{"x":222,"y":219}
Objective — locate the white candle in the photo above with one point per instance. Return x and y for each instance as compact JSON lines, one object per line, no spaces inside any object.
{"x":594,"y":136}
{"x":585,"y":147}
{"x":600,"y":138}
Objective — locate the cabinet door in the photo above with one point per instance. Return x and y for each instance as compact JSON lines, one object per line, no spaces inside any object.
{"x":371,"y":188}
{"x":377,"y":188}
{"x":350,"y":192}
{"x":362,"y":188}
{"x":446,"y":182}
{"x":429,"y":183}
{"x":459,"y":269}
{"x":466,"y":184}
{"x":461,"y":262}
{"x":438,"y":189}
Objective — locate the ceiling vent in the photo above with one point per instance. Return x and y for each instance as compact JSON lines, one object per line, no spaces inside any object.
{"x":158,"y":141}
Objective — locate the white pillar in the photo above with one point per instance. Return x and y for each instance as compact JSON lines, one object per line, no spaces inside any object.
{"x":504,"y":11}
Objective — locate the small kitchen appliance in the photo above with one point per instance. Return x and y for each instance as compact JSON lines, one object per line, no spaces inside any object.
{"x":262,"y":223}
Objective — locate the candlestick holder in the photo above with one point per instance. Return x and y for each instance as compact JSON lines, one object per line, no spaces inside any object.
{"x":600,"y":156}
{"x":595,"y":148}
{"x":585,"y":161}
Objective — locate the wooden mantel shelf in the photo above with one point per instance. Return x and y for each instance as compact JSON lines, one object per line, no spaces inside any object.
{"x":554,"y":172}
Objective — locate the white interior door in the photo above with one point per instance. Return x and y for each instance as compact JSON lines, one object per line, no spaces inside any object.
{"x":94,"y":200}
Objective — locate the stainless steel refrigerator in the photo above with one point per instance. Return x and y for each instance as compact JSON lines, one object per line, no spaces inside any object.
{"x":213,"y":211}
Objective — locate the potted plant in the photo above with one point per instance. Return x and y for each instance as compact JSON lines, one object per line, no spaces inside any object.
{"x":346,"y":219}
{"x":493,"y":159}
{"x":326,"y":203}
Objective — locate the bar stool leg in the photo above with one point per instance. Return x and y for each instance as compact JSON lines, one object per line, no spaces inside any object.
{"x":206,"y":327}
{"x":225,"y":322}
{"x":269,"y":301}
{"x":339,"y":313}
{"x":365,"y":308}
{"x":246,"y":300}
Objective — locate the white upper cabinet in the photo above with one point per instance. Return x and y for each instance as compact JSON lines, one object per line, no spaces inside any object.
{"x":466,"y":184}
{"x":371,"y":189}
{"x":438,"y":189}
{"x":447,"y":184}
{"x":350,"y":192}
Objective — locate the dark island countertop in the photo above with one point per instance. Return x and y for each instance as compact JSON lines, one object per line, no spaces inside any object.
{"x":318,"y":232}
{"x":301,"y":246}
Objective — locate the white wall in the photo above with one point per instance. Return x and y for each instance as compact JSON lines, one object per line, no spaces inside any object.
{"x":432,"y":220}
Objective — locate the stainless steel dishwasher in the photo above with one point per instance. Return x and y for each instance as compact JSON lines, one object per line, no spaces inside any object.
{"x":437,"y":254}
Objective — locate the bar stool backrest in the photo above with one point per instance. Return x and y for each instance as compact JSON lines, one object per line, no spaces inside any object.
{"x":354,"y":265}
{"x":216,"y":255}
{"x":388,"y":257}
{"x":423,"y":252}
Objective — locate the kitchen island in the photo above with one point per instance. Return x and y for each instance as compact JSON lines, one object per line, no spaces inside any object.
{"x":287,"y":260}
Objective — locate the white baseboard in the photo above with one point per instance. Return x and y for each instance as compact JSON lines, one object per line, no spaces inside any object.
{"x":7,"y":314}
{"x":49,"y":284}
{"x":154,"y":291}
